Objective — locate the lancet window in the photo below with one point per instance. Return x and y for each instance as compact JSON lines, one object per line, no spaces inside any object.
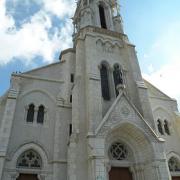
{"x":166,"y":127}
{"x":35,"y":114}
{"x":102,"y":17}
{"x":30,"y":113}
{"x":159,"y":126}
{"x":105,"y":82}
{"x":40,"y":115}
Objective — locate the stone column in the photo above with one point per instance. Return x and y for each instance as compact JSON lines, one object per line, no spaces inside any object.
{"x":7,"y":119}
{"x":160,"y":169}
{"x":14,"y":175}
{"x":96,"y":158}
{"x":138,"y":172}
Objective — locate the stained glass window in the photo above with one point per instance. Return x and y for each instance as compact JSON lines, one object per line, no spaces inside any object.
{"x":29,"y":159}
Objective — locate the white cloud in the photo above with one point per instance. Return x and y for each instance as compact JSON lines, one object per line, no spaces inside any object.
{"x":32,"y":38}
{"x":60,"y":8}
{"x":167,"y":47}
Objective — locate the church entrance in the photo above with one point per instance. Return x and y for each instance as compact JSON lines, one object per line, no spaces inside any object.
{"x":27,"y":177}
{"x":119,"y":173}
{"x":176,"y":178}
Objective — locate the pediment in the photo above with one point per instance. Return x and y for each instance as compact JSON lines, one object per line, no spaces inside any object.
{"x":122,"y":110}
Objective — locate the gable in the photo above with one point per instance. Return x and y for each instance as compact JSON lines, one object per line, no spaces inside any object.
{"x":52,"y":71}
{"x":122,"y":111}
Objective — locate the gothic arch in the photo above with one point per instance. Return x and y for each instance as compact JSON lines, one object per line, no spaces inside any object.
{"x":104,"y":62}
{"x":27,"y":146}
{"x":139,"y":142}
{"x":103,"y":3}
{"x":173,"y":154}
{"x":162,"y":109}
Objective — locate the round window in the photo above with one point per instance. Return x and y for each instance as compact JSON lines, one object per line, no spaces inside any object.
{"x":118,"y":151}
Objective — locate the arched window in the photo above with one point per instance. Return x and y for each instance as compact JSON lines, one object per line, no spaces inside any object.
{"x":30,"y":113}
{"x":102,"y":17}
{"x":159,"y":125}
{"x":118,"y":151}
{"x":174,"y":164}
{"x":104,"y":82}
{"x":118,"y":77}
{"x":166,"y":127}
{"x":29,"y":159}
{"x":40,"y":115}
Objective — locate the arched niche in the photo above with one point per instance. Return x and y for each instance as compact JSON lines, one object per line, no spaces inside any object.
{"x":135,"y":138}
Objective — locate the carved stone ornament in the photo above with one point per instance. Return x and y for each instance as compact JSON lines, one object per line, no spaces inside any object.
{"x":125,"y":111}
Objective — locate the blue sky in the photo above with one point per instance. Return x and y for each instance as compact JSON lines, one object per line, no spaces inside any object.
{"x":33,"y":32}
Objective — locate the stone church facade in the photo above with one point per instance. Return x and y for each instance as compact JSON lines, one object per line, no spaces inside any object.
{"x":90,"y":115}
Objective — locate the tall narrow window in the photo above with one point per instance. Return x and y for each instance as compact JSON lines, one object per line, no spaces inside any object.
{"x":72,"y":78}
{"x":70,"y":98}
{"x":166,"y":127}
{"x":70,"y":129}
{"x":159,"y":125}
{"x":30,"y":113}
{"x":102,"y":17}
{"x":118,"y":77}
{"x":104,"y":82}
{"x":40,"y":115}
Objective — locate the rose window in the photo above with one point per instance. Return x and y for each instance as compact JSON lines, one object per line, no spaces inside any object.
{"x":118,"y":151}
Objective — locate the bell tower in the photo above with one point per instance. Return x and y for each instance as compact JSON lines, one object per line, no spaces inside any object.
{"x":108,"y":88}
{"x":104,"y":14}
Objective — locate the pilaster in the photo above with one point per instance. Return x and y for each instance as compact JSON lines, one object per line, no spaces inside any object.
{"x":7,"y":120}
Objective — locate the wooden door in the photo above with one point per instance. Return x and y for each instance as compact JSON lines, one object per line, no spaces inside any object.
{"x":117,"y":173}
{"x":176,"y":178}
{"x":27,"y":177}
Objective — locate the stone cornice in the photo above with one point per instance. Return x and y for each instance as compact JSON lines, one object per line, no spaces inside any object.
{"x":38,"y":78}
{"x":92,"y":30}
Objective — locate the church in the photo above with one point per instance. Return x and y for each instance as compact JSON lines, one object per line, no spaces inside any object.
{"x":90,"y":116}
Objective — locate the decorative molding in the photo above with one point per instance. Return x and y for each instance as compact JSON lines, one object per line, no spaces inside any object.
{"x":94,"y":77}
{"x":125,"y":111}
{"x":60,"y":161}
{"x":38,"y":78}
{"x":13,"y":94}
{"x":108,"y":45}
{"x":141,"y":84}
